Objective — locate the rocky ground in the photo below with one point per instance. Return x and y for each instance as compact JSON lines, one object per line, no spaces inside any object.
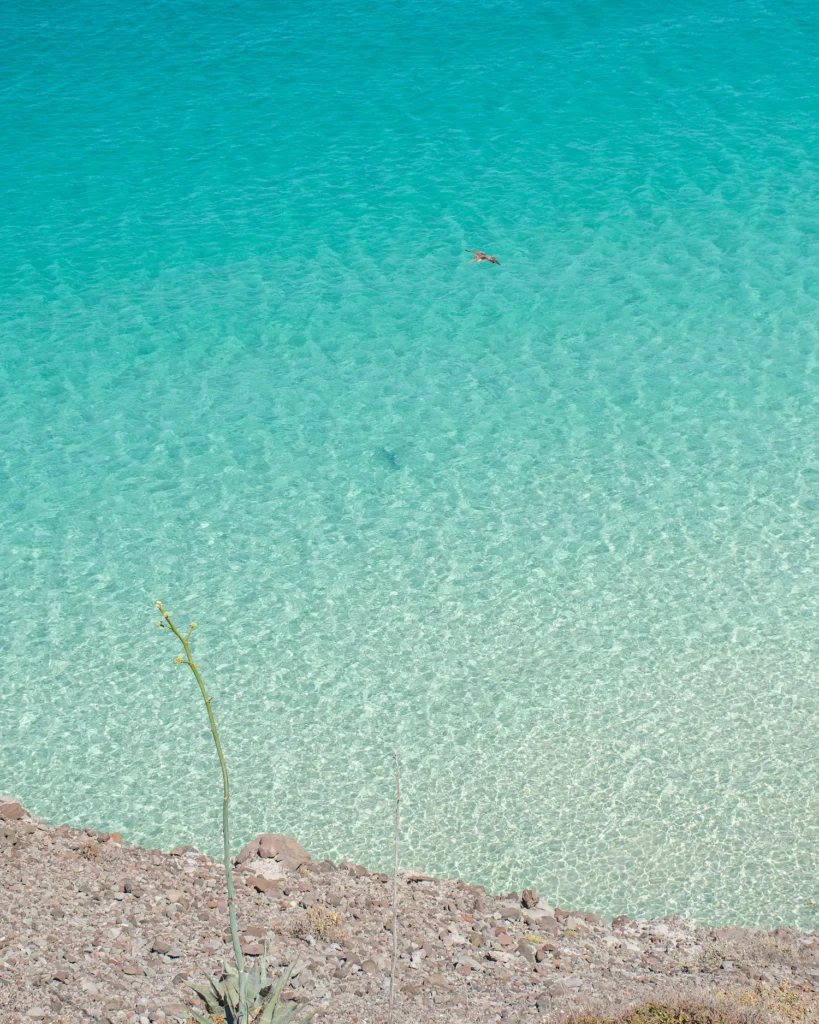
{"x":92,"y":929}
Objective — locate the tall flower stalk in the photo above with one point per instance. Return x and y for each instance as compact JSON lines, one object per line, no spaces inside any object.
{"x":187,"y":659}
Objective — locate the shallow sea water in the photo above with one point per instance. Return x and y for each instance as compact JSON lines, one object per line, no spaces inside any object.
{"x":550,"y":528}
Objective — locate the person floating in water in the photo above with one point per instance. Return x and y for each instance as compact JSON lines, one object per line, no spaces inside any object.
{"x":482,"y":256}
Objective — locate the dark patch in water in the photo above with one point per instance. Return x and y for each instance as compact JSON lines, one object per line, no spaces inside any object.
{"x":388,"y":457}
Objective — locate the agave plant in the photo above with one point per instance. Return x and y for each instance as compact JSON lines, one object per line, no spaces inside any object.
{"x":264,"y":998}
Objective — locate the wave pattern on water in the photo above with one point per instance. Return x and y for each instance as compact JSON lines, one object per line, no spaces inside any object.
{"x":549,"y":527}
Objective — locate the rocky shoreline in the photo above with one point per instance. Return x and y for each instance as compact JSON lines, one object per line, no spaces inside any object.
{"x":94,"y":929}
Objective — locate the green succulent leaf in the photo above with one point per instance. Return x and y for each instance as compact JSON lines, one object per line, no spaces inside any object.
{"x":266,"y":1015}
{"x":271,"y":1010}
{"x":211,"y":1001}
{"x":264,"y":999}
{"x":254,"y":982}
{"x":231,"y":987}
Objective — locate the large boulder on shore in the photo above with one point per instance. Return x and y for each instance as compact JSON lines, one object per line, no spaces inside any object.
{"x":275,"y":846}
{"x":11,"y":809}
{"x":280,"y":847}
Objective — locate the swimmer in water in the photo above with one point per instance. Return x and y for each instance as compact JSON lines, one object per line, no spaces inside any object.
{"x":479,"y":256}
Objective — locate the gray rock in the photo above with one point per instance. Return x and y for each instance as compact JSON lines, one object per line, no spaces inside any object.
{"x":543,"y":1003}
{"x":535,"y":915}
{"x":542,"y":922}
{"x":511,"y":913}
{"x":527,"y":951}
{"x":178,"y":1010}
{"x":572,"y":981}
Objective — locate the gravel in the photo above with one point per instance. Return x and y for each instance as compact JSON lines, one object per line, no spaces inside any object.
{"x":93,"y":929}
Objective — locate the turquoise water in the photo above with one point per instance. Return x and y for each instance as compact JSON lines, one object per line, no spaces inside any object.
{"x":550,"y":528}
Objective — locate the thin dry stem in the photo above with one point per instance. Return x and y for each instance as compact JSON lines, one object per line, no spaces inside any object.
{"x":395,"y":885}
{"x":167,"y":623}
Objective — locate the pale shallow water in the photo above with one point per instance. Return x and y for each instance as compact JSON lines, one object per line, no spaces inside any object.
{"x":549,"y":527}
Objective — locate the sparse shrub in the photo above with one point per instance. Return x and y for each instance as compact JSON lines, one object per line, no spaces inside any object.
{"x":327,"y":925}
{"x":711,"y":960}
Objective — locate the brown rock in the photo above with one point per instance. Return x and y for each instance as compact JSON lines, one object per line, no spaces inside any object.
{"x":529,"y":898}
{"x":545,"y":952}
{"x":325,"y":866}
{"x":253,"y":948}
{"x":262,"y":884}
{"x":248,"y":851}
{"x":356,"y":870}
{"x":11,"y":810}
{"x":279,"y":847}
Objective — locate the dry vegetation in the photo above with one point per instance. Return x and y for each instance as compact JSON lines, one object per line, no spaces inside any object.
{"x":761,"y":1005}
{"x":326,"y":925}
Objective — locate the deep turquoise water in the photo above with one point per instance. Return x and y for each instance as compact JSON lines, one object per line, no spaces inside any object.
{"x":550,"y":527}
